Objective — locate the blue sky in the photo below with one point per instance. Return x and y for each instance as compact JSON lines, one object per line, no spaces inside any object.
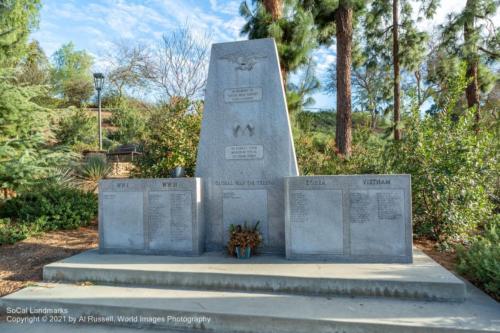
{"x":93,"y":25}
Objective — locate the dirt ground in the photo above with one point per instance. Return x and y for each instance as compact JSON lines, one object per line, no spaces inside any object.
{"x":22,"y":263}
{"x":445,"y":259}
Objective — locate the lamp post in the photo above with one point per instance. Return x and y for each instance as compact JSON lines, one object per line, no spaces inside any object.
{"x":98,"y":82}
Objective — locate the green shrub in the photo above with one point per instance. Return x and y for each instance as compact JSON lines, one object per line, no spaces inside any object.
{"x":129,"y":122}
{"x":51,"y":207}
{"x":77,"y":129}
{"x":453,"y":174}
{"x":453,"y":169}
{"x":317,"y":154}
{"x":11,"y":233}
{"x":480,"y":261}
{"x":171,"y":140}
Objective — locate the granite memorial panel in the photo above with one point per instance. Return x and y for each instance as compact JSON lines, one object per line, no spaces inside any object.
{"x":358,"y":218}
{"x":151,"y":216}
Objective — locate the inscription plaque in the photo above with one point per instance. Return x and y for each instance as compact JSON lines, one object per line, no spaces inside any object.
{"x":246,"y":152}
{"x":298,"y":210}
{"x":123,"y":211}
{"x":168,"y":214}
{"x":360,"y":207}
{"x":151,"y":216}
{"x":240,"y":206}
{"x":311,"y":213}
{"x":383,"y":232}
{"x":365,"y":218}
{"x":239,"y":95}
{"x":389,"y":205}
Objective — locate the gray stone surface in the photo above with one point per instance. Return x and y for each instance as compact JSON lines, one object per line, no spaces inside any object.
{"x":156,"y":216}
{"x":359,"y":218}
{"x":238,"y":312}
{"x":246,"y":146}
{"x":424,"y":279}
{"x":72,"y":328}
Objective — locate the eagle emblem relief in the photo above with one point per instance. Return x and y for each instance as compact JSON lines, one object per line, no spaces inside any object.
{"x":243,"y":62}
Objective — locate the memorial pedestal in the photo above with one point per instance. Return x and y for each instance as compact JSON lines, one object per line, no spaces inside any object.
{"x":246,"y":145}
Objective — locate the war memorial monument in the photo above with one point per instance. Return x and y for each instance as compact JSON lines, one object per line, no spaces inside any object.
{"x":336,"y":253}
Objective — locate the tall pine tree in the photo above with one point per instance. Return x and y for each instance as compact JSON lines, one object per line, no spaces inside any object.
{"x":17,"y":19}
{"x":393,"y":42}
{"x":34,"y":66}
{"x":335,"y":19}
{"x":286,"y":22}
{"x":274,"y":7}
{"x":473,"y":36}
{"x":25,"y":152}
{"x":371,"y":82}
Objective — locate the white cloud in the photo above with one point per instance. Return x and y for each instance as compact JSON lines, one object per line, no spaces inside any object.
{"x":201,"y":21}
{"x":231,"y":8}
{"x":213,"y":5}
{"x":446,"y":8}
{"x":95,"y":33}
{"x":49,"y":41}
{"x":443,"y":11}
{"x":125,"y":19}
{"x":324,"y":57}
{"x":69,"y":11}
{"x":234,"y":26}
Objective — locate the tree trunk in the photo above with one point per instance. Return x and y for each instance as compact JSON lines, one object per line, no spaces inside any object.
{"x":418,"y":77}
{"x":343,"y":21}
{"x":472,"y":89}
{"x":373,"y":124}
{"x":284,"y":76}
{"x":395,"y":57}
{"x":274,"y":7}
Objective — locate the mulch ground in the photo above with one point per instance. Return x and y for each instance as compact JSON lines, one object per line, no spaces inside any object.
{"x":446,"y":259}
{"x":22,"y":263}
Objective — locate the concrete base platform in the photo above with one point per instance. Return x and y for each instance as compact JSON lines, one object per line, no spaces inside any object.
{"x":423,"y":280}
{"x":238,"y":312}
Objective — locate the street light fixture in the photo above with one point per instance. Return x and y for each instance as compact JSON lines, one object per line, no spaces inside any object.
{"x":99,"y":82}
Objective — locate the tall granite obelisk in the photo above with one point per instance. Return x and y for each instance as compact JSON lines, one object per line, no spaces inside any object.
{"x":246,"y":145}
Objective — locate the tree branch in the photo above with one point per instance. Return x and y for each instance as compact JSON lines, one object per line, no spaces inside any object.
{"x":491,"y":53}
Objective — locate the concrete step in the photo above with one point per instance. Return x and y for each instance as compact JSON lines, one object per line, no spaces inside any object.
{"x":65,"y":328}
{"x":238,"y":312}
{"x":423,"y":280}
